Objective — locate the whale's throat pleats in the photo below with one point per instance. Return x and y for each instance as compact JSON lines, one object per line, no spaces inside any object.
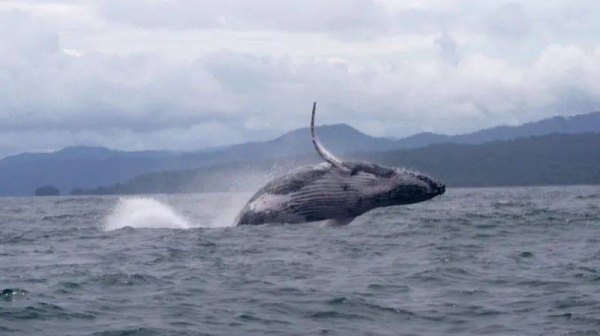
{"x":332,"y":196}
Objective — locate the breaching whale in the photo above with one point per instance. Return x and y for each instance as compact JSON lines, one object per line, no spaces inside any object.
{"x":335,"y":191}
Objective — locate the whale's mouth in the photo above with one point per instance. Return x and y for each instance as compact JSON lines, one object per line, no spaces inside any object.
{"x":440,"y":189}
{"x":435,"y":188}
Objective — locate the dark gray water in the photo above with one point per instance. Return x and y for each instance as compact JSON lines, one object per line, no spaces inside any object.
{"x":515,"y":261}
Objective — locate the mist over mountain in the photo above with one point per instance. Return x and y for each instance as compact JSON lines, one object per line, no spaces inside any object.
{"x":90,"y":167}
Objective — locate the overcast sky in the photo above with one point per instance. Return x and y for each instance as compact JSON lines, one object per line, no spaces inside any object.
{"x":183,"y":74}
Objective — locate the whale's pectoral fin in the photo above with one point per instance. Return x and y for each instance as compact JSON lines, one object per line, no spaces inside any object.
{"x":340,"y":221}
{"x":325,"y":154}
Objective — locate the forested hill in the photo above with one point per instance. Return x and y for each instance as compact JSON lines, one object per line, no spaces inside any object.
{"x":89,"y":167}
{"x":557,"y":159}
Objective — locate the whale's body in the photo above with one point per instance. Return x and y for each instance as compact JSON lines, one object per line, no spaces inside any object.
{"x":336,"y":191}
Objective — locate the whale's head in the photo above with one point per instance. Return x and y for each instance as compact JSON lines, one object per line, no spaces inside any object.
{"x":380,"y":186}
{"x":412,"y":187}
{"x":396,"y":186}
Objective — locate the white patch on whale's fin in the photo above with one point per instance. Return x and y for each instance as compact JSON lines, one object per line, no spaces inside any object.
{"x":342,"y":221}
{"x":325,"y":154}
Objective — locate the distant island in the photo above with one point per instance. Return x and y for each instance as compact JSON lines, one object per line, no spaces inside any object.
{"x":47,"y":191}
{"x":502,"y":160}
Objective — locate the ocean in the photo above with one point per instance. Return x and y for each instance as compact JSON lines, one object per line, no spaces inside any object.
{"x":495,"y":261}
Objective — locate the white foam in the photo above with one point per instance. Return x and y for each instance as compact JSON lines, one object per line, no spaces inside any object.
{"x":142,"y":212}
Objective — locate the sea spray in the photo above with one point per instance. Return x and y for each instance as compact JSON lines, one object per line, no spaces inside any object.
{"x":176,"y":211}
{"x":142,"y":212}
{"x":219,"y":210}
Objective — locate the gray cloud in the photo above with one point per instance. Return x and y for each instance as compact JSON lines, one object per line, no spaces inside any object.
{"x":295,"y":15}
{"x":448,"y":48}
{"x":50,"y":98}
{"x":25,"y":39}
{"x":425,"y":21}
{"x":244,"y":73}
{"x":509,"y":21}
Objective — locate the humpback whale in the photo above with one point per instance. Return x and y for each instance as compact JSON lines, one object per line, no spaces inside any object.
{"x":335,"y":190}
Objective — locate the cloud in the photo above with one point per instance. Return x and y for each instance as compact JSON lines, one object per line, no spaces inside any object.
{"x":146,"y":101}
{"x":62,"y":86}
{"x":342,"y":19}
{"x":246,"y":74}
{"x":508,"y":21}
{"x":25,"y":39}
{"x":293,"y":15}
{"x":448,"y":48}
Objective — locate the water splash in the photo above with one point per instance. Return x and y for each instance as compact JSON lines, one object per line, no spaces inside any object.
{"x":143,"y":212}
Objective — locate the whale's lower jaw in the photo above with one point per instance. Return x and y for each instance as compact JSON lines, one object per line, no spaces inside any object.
{"x":270,"y":216}
{"x":251,"y":217}
{"x":259,"y":218}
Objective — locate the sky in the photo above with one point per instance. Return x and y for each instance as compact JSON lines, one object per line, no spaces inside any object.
{"x":185,"y":75}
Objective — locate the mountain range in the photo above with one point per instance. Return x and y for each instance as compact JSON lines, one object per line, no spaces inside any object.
{"x":90,"y":167}
{"x":555,"y":159}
